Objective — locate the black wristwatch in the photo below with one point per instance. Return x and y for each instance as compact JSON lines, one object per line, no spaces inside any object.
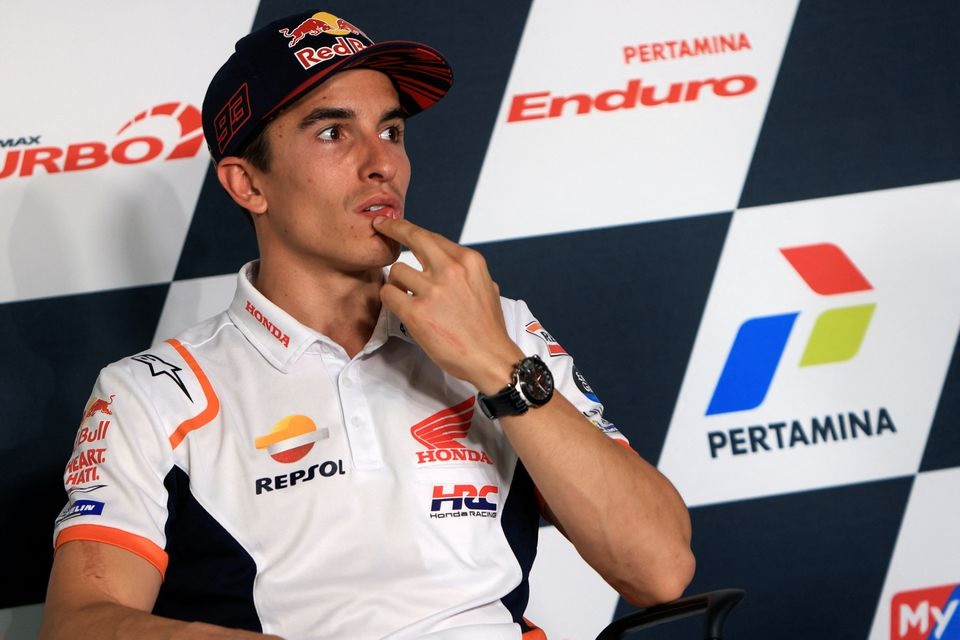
{"x":531,"y":386}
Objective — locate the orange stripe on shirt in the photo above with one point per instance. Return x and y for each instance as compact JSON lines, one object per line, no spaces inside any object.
{"x":133,"y":543}
{"x":536,"y":633}
{"x":213,"y":402}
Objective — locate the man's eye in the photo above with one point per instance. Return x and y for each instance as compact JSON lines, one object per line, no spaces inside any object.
{"x":330,"y":133}
{"x":394,"y":134}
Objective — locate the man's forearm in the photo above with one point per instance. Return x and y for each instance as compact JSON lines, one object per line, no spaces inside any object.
{"x":624,"y":516}
{"x":110,"y":621}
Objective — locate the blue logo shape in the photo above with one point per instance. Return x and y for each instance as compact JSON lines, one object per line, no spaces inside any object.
{"x":82,"y":508}
{"x":753,"y":360}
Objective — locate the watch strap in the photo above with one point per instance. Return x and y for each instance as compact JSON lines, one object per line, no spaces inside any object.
{"x":506,"y":402}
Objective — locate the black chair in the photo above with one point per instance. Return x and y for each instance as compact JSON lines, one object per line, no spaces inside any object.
{"x":715,"y":605}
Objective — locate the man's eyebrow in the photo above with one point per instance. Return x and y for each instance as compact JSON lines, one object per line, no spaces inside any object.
{"x":341,"y":113}
{"x":397,"y":113}
{"x":326,"y":113}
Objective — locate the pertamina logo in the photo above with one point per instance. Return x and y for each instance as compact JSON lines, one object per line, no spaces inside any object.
{"x":128,"y":150}
{"x":464,"y":501}
{"x":440,"y":435}
{"x":926,"y":613}
{"x":760,"y":342}
{"x":319,"y":24}
{"x":289,"y":441}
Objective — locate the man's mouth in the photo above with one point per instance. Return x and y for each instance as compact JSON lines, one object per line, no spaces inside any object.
{"x":382,"y":207}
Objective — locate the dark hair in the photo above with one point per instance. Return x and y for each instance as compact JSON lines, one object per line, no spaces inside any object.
{"x":257,"y":150}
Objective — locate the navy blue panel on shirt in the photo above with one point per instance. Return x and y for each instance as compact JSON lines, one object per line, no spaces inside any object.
{"x":210,"y":576}
{"x":520,"y":520}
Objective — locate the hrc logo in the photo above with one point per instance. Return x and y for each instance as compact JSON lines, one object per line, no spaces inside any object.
{"x":926,"y":613}
{"x":760,"y":342}
{"x":464,"y":500}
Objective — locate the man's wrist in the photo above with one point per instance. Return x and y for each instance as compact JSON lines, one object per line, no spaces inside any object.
{"x":531,"y":386}
{"x":497,"y":372}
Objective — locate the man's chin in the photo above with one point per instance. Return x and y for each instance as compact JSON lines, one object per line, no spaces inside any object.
{"x":394,"y":249}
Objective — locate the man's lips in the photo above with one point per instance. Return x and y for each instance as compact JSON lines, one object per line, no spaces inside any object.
{"x":387,"y":206}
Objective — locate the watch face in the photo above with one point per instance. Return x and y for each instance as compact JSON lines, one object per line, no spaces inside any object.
{"x":536,"y":381}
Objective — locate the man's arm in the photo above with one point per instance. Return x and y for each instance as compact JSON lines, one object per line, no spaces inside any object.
{"x":623,"y":516}
{"x":101,"y":592}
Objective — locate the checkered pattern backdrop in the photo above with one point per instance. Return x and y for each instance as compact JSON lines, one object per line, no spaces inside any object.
{"x":740,"y":216}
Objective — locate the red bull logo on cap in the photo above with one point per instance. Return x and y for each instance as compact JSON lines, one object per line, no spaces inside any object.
{"x":319,"y":24}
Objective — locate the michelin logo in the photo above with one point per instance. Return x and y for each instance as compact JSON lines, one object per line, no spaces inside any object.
{"x":81,"y":508}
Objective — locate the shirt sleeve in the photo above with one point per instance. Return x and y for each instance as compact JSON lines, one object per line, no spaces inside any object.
{"x":115,"y":476}
{"x":534,"y":338}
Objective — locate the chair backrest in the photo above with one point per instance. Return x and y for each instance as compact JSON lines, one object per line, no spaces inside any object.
{"x":715,"y":605}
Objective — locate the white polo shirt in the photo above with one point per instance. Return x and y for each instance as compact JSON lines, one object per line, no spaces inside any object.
{"x":279,"y":485}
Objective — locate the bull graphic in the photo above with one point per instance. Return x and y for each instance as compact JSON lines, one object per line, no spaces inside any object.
{"x":309,"y":27}
{"x":100,"y":406}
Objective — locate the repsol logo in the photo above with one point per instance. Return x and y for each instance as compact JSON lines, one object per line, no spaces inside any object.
{"x":285,"y":481}
{"x":543,"y":104}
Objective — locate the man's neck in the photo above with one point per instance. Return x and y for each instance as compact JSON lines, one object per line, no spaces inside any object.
{"x":342,"y":306}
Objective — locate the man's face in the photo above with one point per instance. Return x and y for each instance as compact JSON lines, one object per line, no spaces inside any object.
{"x":337,"y":161}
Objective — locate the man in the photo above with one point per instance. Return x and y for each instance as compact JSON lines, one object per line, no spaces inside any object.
{"x":348,"y":451}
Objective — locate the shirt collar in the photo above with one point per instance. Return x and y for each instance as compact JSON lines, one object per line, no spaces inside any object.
{"x":281,"y":339}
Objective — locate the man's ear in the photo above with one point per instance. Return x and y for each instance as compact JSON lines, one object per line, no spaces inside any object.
{"x":238,"y":177}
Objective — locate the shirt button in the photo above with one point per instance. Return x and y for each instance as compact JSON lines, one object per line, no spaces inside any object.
{"x":347,"y":383}
{"x":356,"y":421}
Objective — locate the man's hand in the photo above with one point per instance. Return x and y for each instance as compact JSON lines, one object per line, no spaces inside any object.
{"x":623,"y":516}
{"x":452,"y":307}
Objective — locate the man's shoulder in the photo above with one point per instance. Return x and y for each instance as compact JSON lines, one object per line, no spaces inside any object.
{"x":175,"y":360}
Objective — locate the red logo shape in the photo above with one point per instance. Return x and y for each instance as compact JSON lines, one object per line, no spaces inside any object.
{"x":553,"y":347}
{"x":100,"y":406}
{"x":82,"y":156}
{"x":189,"y":120}
{"x":309,"y":27}
{"x":440,"y":430}
{"x":826,"y":269}
{"x":925,"y":613}
{"x":231,"y":117}
{"x":439,"y":433}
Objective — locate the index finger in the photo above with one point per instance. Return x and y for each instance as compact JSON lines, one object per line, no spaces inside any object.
{"x":430,"y":248}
